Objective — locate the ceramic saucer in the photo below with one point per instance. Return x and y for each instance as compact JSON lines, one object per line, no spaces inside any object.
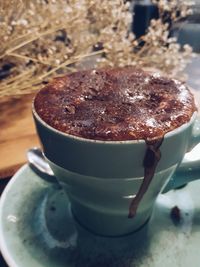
{"x":36,"y":230}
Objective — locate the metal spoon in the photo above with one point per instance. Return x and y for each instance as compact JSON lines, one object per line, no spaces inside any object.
{"x":40,"y":165}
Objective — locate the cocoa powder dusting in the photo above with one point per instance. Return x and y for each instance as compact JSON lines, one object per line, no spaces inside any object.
{"x":151,"y":159}
{"x":117,"y":104}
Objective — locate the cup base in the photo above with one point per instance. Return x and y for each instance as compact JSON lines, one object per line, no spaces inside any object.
{"x":79,"y":223}
{"x":104,"y":223}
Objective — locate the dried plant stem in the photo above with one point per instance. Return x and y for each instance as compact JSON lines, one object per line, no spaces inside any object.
{"x":7,"y":52}
{"x":16,"y":78}
{"x":68,"y":62}
{"x":29,"y":58}
{"x":34,"y":38}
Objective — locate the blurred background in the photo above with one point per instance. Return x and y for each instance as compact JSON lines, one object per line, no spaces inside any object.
{"x":187,"y":31}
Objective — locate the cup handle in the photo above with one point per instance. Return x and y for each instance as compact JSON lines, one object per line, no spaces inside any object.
{"x":195,"y":138}
{"x":189,"y":168}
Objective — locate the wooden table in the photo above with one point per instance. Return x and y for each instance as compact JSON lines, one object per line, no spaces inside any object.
{"x":17,"y":134}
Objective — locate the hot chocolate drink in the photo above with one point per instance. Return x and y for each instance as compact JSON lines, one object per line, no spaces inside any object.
{"x":115,"y":104}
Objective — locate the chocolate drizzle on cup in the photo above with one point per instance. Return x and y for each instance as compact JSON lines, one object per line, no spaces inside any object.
{"x":150,"y":162}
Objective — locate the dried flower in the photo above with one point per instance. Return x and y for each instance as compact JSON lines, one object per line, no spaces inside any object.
{"x":44,"y":38}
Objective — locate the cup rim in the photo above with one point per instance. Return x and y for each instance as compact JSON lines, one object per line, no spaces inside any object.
{"x":125,"y":142}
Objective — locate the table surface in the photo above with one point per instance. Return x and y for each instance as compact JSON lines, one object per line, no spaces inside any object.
{"x":20,"y":126}
{"x":17,"y":134}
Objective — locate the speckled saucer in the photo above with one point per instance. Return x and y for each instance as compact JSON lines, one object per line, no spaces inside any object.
{"x":36,"y":230}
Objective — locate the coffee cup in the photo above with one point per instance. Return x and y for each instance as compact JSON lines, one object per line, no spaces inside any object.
{"x":101,"y":178}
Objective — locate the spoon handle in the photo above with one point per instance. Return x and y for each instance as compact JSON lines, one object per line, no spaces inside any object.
{"x":39,"y":164}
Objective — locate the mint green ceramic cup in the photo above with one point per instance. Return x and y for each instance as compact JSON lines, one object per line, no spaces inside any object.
{"x":102,"y":177}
